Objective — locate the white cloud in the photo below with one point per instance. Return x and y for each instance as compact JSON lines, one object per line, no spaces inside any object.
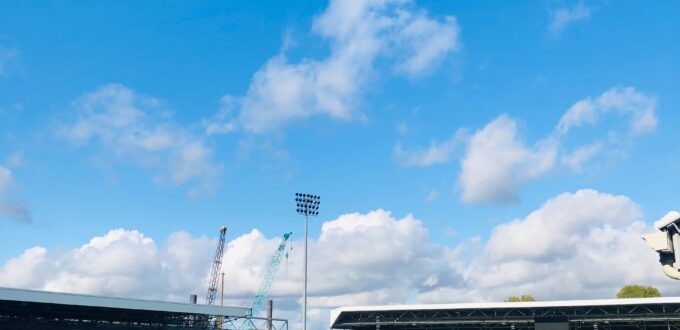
{"x":120,"y":263}
{"x":403,"y":259}
{"x":24,"y":271}
{"x":577,"y":245}
{"x":221,"y":123}
{"x":359,"y":33}
{"x":562,"y":17}
{"x":621,"y":100}
{"x":11,"y":209}
{"x":127,"y":263}
{"x":498,"y":161}
{"x":130,"y":126}
{"x":435,"y":153}
{"x":426,"y":41}
{"x":553,"y":230}
{"x":340,"y":269}
{"x":581,"y":245}
{"x":577,"y":158}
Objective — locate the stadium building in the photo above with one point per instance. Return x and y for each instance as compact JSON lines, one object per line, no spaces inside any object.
{"x":645,"y":313}
{"x":38,"y":310}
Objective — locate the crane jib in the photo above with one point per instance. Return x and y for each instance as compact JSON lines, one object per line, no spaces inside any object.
{"x":268,"y":278}
{"x":215,"y":270}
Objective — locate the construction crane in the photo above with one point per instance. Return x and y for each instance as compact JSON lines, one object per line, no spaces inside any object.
{"x":268,"y":278}
{"x":216,"y":267}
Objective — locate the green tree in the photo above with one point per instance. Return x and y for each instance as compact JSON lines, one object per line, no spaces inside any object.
{"x":638,"y":291}
{"x":524,"y":297}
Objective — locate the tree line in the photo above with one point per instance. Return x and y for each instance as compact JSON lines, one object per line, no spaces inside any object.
{"x":627,"y":291}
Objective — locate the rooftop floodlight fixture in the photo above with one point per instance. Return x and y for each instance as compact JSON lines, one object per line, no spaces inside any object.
{"x":307,"y":205}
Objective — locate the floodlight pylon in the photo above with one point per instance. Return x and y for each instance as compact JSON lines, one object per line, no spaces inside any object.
{"x":307,"y":205}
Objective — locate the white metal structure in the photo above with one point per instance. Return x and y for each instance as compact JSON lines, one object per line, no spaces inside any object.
{"x":307,"y":205}
{"x":666,"y":242}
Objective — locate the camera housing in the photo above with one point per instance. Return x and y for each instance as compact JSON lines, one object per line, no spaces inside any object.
{"x":666,"y":243}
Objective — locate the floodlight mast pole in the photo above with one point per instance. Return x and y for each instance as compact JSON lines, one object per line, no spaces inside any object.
{"x":304,"y":298}
{"x":307,"y":205}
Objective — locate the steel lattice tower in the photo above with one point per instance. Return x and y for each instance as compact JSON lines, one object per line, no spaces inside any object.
{"x":215,"y":270}
{"x":268,"y":278}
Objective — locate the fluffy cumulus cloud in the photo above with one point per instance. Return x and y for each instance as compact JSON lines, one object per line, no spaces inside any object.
{"x":133,"y":128}
{"x":359,"y":33}
{"x":9,"y":208}
{"x":577,"y":245}
{"x":558,"y":225}
{"x":583,"y":244}
{"x":563,"y":17}
{"x":119,"y":263}
{"x":341,"y":271}
{"x":127,"y":263}
{"x":496,"y":161}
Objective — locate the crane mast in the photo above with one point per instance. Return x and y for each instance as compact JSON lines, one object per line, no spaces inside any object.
{"x":268,"y":278}
{"x":215,"y":270}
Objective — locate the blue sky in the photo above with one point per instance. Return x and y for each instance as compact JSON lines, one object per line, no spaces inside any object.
{"x":213,"y":86}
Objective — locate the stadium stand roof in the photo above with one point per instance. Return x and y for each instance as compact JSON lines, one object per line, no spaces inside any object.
{"x":644,"y":313}
{"x":29,"y":309}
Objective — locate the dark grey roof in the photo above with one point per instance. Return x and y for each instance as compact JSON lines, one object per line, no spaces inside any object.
{"x":644,"y":313}
{"x":75,"y":300}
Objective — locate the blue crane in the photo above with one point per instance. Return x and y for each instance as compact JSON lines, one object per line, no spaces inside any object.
{"x":268,"y":278}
